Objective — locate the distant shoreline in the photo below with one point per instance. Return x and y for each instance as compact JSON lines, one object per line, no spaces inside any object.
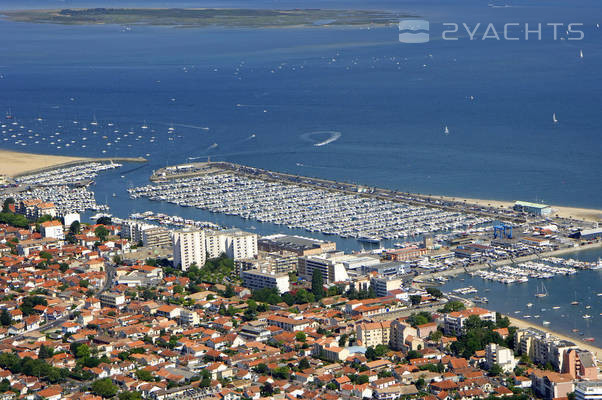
{"x":208,"y":17}
{"x":14,"y":163}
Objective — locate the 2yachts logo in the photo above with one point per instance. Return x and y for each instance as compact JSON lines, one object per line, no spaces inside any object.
{"x":414,"y":31}
{"x":418,"y":31}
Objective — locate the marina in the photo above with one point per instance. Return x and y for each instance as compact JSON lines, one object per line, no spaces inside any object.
{"x":172,"y":221}
{"x":567,"y":305}
{"x":520,"y":273}
{"x":366,"y":219}
{"x":86,"y":172}
{"x":66,"y":187}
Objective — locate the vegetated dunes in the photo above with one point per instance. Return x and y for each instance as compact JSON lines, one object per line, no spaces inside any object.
{"x":208,"y":17}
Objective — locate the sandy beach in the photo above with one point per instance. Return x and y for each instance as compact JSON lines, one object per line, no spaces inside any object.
{"x":562,"y":211}
{"x":13,"y":163}
{"x":519,"y":323}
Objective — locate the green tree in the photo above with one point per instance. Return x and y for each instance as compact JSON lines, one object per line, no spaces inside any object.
{"x":380,"y":350}
{"x":6,"y":204}
{"x":104,"y":387}
{"x":370,"y":354}
{"x":104,"y":221}
{"x":303,"y":296}
{"x":343,"y":340}
{"x":75,"y":228}
{"x":16,"y":220}
{"x":5,"y":318}
{"x":130,"y":396}
{"x":435,"y":292}
{"x":420,"y":383}
{"x":267,"y":295}
{"x":281,"y":372}
{"x":82,"y":351}
{"x":229,"y":292}
{"x":415,"y":299}
{"x":304,"y":364}
{"x":70,"y":237}
{"x":266,"y":390}
{"x":102,"y":233}
{"x":144,"y":375}
{"x":436,"y":336}
{"x":45,"y":352}
{"x":495,"y":370}
{"x":30,"y":302}
{"x":300,"y":336}
{"x":421,"y":318}
{"x":288,"y":298}
{"x":317,"y":284}
{"x":262,"y":368}
{"x":454,"y":305}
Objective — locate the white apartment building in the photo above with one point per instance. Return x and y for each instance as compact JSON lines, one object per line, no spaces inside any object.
{"x":454,"y":321}
{"x":255,"y":279}
{"x":237,"y":244}
{"x":156,"y":237}
{"x":189,"y":317}
{"x":188,"y":248}
{"x":591,"y":390}
{"x":52,"y":229}
{"x":384,"y":284}
{"x":115,"y":300}
{"x":71,"y":218}
{"x":502,"y":356}
{"x":330,"y":265}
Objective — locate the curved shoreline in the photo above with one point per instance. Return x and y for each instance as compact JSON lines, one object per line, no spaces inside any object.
{"x":14,"y":164}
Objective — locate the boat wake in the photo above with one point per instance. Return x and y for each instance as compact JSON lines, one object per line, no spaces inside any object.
{"x":201,"y":128}
{"x":249,"y":138}
{"x":309,"y":136}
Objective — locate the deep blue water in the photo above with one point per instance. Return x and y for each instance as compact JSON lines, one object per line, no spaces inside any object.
{"x":291,"y":82}
{"x":291,"y":87}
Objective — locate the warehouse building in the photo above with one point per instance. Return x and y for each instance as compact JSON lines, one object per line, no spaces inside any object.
{"x":532,"y":208}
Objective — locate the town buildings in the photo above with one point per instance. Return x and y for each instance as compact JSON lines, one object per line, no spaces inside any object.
{"x":188,"y":248}
{"x":502,"y":356}
{"x":256,"y":279}
{"x":591,"y":390}
{"x":454,"y":321}
{"x":235,"y":243}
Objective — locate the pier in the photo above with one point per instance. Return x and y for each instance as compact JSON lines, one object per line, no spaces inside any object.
{"x":81,"y":161}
